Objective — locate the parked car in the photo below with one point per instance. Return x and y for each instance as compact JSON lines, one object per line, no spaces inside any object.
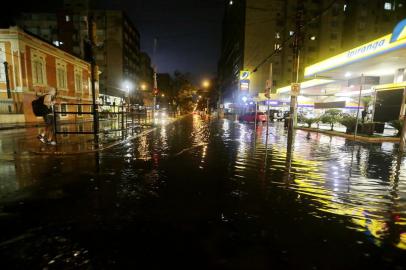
{"x":250,"y":117}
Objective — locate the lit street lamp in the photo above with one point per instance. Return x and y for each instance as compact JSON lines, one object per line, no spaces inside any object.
{"x":206,"y":84}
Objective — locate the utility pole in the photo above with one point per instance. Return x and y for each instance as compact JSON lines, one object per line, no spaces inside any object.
{"x":403,"y":131}
{"x":268,"y":95}
{"x":296,"y":65}
{"x":359,"y":105}
{"x":403,"y":136}
{"x":155,"y":78}
{"x":93,"y":74}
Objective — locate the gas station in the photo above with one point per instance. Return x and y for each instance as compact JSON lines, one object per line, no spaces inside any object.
{"x":375,"y":69}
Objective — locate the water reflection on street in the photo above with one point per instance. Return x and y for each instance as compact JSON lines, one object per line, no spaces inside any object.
{"x":213,"y":191}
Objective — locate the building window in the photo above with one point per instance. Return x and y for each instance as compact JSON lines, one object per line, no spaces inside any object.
{"x":362,"y":25}
{"x":387,"y":6}
{"x":311,"y":49}
{"x":277,"y":35}
{"x":67,"y":18}
{"x":79,"y":110}
{"x":63,"y":109}
{"x":2,"y":60}
{"x":78,"y":80}
{"x":333,"y":36}
{"x":345,"y":7}
{"x":61,"y":75}
{"x":38,"y":69}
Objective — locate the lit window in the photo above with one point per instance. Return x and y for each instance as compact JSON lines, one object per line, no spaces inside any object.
{"x":67,"y":18}
{"x":345,"y":7}
{"x":231,"y":2}
{"x":38,"y":69}
{"x":291,"y":33}
{"x":313,"y":38}
{"x":78,"y":80}
{"x":387,"y":6}
{"x":277,"y":35}
{"x":2,"y":60}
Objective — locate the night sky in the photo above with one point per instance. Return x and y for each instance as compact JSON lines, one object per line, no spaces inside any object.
{"x":188,"y":32}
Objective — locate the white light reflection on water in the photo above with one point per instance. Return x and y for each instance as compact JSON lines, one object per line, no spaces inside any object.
{"x":363,"y":183}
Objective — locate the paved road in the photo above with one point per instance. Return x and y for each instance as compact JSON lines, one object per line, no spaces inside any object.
{"x":202,"y":194}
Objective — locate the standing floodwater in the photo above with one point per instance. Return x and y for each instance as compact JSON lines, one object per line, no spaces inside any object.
{"x":203,"y":194}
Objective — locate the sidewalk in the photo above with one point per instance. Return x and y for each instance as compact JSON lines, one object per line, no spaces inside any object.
{"x":25,"y":142}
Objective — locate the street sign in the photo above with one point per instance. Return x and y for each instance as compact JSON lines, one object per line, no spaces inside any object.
{"x":295,"y":89}
{"x":244,"y":85}
{"x":245,"y":75}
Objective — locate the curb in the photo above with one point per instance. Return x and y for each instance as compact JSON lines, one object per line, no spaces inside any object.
{"x":351,"y":137}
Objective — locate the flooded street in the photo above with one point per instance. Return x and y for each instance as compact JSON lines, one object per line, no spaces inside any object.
{"x":207,"y":194}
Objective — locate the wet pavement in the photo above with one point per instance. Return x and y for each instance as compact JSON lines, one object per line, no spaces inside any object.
{"x":207,"y":194}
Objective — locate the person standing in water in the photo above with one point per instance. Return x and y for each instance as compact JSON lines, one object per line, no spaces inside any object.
{"x":49,"y":101}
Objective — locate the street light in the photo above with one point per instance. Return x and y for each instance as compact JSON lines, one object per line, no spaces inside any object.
{"x":127,"y":86}
{"x":143,"y":86}
{"x":206,"y":83}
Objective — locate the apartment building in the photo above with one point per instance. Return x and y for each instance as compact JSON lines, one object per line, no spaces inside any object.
{"x":117,"y":53}
{"x":255,"y":29}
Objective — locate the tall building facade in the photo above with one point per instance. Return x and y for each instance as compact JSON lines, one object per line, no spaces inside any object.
{"x":260,"y":32}
{"x":117,"y":53}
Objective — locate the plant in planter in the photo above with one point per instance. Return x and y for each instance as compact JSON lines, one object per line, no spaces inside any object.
{"x":331,"y":117}
{"x":398,"y":125}
{"x":349,"y":122}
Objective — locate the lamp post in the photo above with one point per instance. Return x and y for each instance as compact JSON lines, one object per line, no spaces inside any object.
{"x":206,"y":85}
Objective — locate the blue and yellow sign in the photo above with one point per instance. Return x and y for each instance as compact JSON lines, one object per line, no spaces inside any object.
{"x":399,"y":32}
{"x":382,"y":45}
{"x":245,"y":75}
{"x":245,"y":80}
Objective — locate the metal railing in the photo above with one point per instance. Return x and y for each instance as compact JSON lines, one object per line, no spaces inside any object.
{"x":126,"y":114}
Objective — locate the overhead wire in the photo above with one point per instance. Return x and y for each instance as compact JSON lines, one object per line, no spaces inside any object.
{"x":325,"y":10}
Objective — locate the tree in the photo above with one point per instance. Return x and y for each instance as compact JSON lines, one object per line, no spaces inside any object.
{"x":183,"y":91}
{"x":309,"y":120}
{"x":331,"y":117}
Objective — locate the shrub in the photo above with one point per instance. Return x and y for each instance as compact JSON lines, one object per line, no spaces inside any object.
{"x":349,"y":122}
{"x":398,"y":125}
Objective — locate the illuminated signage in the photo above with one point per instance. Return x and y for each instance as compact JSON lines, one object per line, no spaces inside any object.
{"x":245,"y":75}
{"x":399,"y":32}
{"x":244,"y":85}
{"x":366,"y":48}
{"x":390,"y":42}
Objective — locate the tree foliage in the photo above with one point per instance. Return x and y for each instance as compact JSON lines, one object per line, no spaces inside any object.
{"x":331,"y":117}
